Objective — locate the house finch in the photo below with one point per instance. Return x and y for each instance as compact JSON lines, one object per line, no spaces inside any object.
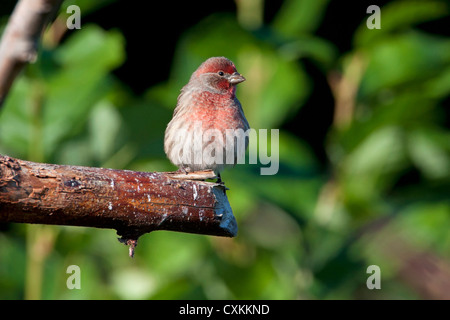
{"x":207,"y":130}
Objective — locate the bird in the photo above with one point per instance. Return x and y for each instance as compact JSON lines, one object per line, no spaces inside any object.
{"x":208,"y":126}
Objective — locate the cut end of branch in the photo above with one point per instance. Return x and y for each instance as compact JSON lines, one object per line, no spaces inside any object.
{"x":224,"y":212}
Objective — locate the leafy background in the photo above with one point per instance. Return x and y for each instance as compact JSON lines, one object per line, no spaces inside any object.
{"x":364,"y":149}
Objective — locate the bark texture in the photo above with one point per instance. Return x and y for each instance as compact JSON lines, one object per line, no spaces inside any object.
{"x":131,"y":202}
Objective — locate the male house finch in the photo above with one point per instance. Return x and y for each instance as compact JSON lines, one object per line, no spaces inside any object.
{"x":207,"y":120}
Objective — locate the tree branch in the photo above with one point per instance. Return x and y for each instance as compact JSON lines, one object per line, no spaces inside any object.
{"x":131,"y":202}
{"x":21,"y":37}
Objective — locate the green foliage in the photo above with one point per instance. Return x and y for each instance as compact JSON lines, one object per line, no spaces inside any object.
{"x":306,"y":232}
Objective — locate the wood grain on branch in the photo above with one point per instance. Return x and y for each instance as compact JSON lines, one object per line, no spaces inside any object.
{"x":131,"y":202}
{"x":21,"y":38}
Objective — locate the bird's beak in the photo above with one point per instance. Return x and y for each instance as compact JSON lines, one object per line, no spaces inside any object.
{"x":236,"y":78}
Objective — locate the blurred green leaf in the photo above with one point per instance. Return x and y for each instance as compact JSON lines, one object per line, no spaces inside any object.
{"x":72,"y":93}
{"x":422,"y":224}
{"x":298,"y":17}
{"x":83,"y":49}
{"x":430,"y":156}
{"x":15,"y":119}
{"x":319,"y":50}
{"x":104,"y":125}
{"x":371,"y":168}
{"x":61,"y":103}
{"x":403,"y":60}
{"x":12,"y":268}
{"x":399,"y":16}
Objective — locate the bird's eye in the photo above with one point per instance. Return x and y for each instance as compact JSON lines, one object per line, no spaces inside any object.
{"x":221,"y":73}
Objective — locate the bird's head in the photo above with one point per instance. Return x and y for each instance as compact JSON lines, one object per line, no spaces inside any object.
{"x":219,"y":74}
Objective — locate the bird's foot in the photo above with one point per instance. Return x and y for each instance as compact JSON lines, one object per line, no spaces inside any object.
{"x":219,"y":180}
{"x":183,"y":170}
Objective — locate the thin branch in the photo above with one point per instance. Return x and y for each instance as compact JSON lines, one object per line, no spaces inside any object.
{"x":21,"y":38}
{"x":345,"y":89}
{"x":131,"y":202}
